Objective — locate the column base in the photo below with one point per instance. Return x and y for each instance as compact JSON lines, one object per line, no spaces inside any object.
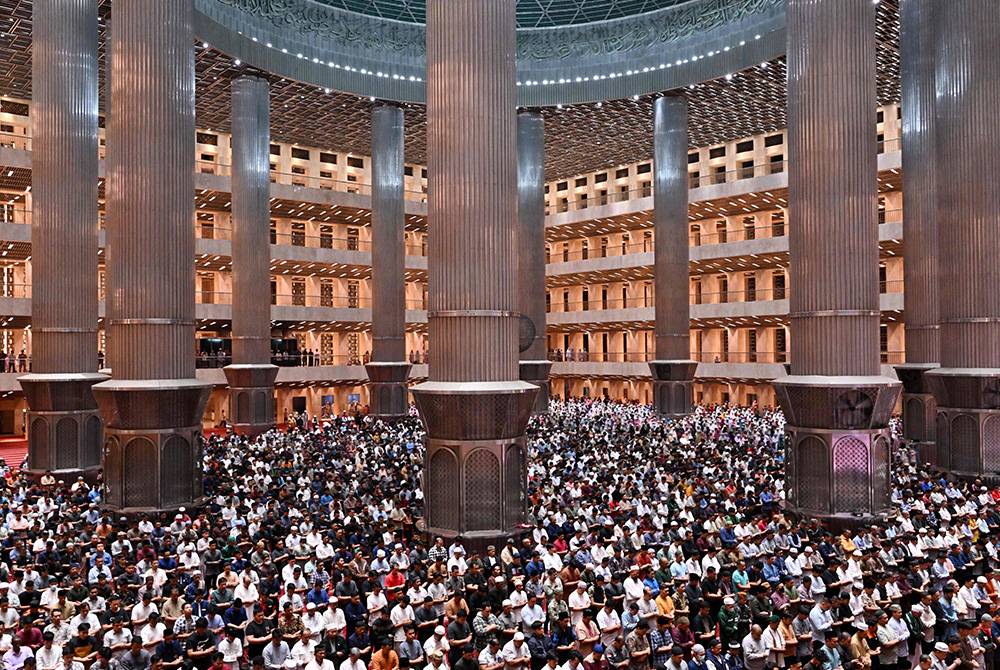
{"x":64,"y":428}
{"x":837,"y":453}
{"x":968,"y":420}
{"x":673,"y":387}
{"x":537,"y":373}
{"x":251,"y":397}
{"x":475,"y":473}
{"x":152,"y":445}
{"x":387,"y":389}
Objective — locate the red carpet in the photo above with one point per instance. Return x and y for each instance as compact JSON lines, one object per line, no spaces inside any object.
{"x":13,"y":449}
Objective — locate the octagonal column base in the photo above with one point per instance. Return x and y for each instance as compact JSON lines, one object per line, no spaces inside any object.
{"x":387,"y":390}
{"x":967,"y":429}
{"x":537,"y":373}
{"x":251,"y":397}
{"x":475,"y":473}
{"x":837,"y":451}
{"x":152,"y":445}
{"x":673,"y":387}
{"x":64,"y":428}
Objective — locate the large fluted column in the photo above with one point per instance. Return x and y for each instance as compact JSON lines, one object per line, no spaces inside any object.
{"x":153,"y":405}
{"x":64,"y":426}
{"x":251,"y":375}
{"x":836,"y":402}
{"x":920,"y":271}
{"x":673,"y":369}
{"x":967,"y":385}
{"x":474,"y":406}
{"x":534,"y":366}
{"x":388,"y":369}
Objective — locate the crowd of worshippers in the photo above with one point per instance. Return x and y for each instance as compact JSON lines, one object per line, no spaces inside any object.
{"x":650,"y":544}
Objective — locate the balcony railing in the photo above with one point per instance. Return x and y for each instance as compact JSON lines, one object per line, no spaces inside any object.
{"x":583,"y":356}
{"x":15,"y":141}
{"x":743,"y":295}
{"x":12,"y":290}
{"x":307,"y":181}
{"x":695,"y":239}
{"x":740,"y":356}
{"x":599,"y":304}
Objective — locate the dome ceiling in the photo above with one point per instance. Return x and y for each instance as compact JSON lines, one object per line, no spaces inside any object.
{"x":530,"y":13}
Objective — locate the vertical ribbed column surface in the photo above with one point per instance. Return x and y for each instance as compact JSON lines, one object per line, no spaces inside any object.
{"x":251,"y":221}
{"x":471,"y":165}
{"x":531,"y":227}
{"x":670,"y":242}
{"x":64,"y":115}
{"x":833,"y":243}
{"x":388,"y":284}
{"x":968,"y":104}
{"x":151,"y":191}
{"x":920,"y":272}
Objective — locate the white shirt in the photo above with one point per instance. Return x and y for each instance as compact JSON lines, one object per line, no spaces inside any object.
{"x":607,"y":619}
{"x":231,"y":651}
{"x":578,"y":600}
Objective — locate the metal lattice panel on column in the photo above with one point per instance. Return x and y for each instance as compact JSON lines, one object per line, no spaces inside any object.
{"x":260,"y":406}
{"x":113,"y":472}
{"x":443,"y":510}
{"x":482,"y":491}
{"x":881,"y":463}
{"x":140,"y":473}
{"x":991,"y":444}
{"x":943,"y":441}
{"x":813,"y":464}
{"x":242,"y":407}
{"x":91,"y":452}
{"x":67,"y":443}
{"x":965,"y":444}
{"x":791,"y":490}
{"x":176,"y":464}
{"x":39,"y":441}
{"x":851,"y":465}
{"x":915,"y":427}
{"x":513,"y":486}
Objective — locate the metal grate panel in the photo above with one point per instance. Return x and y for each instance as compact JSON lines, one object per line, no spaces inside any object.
{"x":851,"y":476}
{"x":139,"y":473}
{"x":38,"y":445}
{"x":176,"y":466}
{"x":514,"y":486}
{"x":813,"y":464}
{"x":90,"y":452}
{"x":443,"y":480}
{"x":67,"y":444}
{"x":943,"y":433}
{"x":991,"y":444}
{"x":881,"y":474}
{"x":965,"y":444}
{"x":112,"y":472}
{"x":482,"y":491}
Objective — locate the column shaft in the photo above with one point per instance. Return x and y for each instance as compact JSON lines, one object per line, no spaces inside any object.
{"x":967,"y":386}
{"x":153,"y":405}
{"x":251,"y":377}
{"x":474,"y":407}
{"x":534,"y":365}
{"x":837,"y":404}
{"x":471,"y":161}
{"x":672,"y":371}
{"x":833,"y":243}
{"x":920,"y":271}
{"x":64,"y":428}
{"x":389,"y":369}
